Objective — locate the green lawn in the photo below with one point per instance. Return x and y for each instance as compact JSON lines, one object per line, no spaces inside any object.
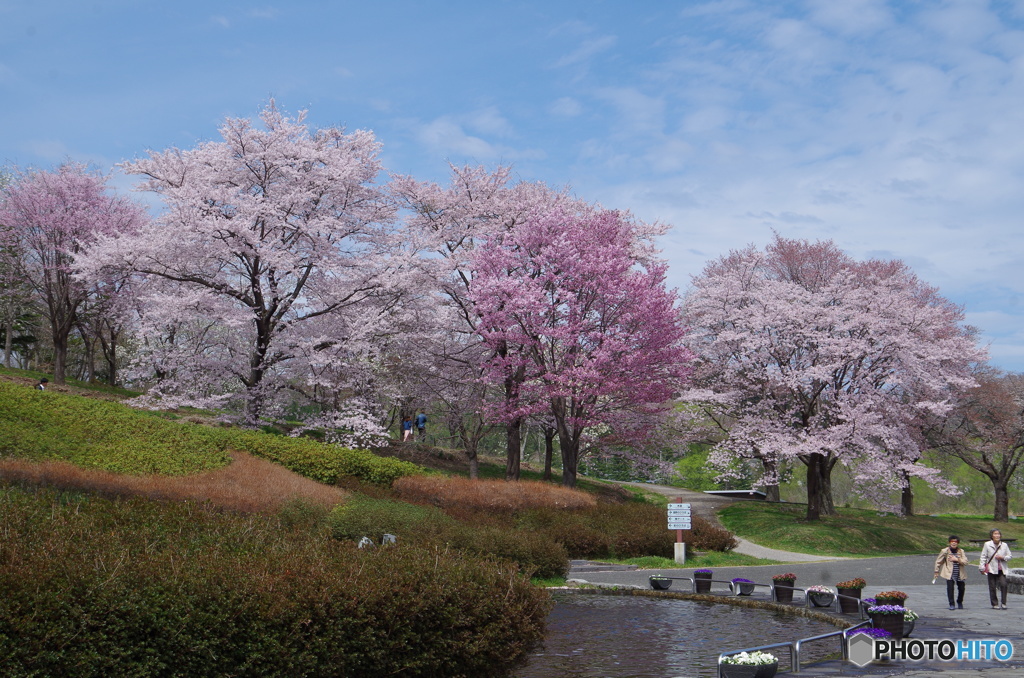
{"x":854,"y":532}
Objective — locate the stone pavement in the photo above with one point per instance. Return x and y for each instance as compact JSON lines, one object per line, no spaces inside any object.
{"x":910,"y":574}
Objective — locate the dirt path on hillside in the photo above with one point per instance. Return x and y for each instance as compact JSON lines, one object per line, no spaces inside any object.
{"x":704,"y":505}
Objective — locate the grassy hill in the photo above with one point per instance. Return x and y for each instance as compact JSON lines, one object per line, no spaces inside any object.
{"x":854,"y":532}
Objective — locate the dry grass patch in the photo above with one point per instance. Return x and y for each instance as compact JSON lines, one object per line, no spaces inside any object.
{"x":490,"y":495}
{"x":248,"y":484}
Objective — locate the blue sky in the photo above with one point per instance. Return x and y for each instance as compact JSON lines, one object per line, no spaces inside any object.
{"x":894,"y":128}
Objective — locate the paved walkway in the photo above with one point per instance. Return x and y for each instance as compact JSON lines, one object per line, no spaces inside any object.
{"x":911,"y":574}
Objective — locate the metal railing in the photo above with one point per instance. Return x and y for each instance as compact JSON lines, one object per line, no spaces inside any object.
{"x":795,"y":647}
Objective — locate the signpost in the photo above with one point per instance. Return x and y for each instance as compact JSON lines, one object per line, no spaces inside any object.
{"x":679,"y":519}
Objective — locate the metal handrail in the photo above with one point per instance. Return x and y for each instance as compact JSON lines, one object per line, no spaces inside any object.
{"x":846,"y":636}
{"x":795,"y":645}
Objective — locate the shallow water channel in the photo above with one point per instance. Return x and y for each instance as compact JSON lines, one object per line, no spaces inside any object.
{"x":607,"y":636}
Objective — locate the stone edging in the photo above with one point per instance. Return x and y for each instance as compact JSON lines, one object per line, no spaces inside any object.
{"x":1015,"y":580}
{"x":592,"y":589}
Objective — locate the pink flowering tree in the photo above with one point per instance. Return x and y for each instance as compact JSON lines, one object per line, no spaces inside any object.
{"x":598,"y":334}
{"x":806,"y":354}
{"x":49,"y":218}
{"x":268,"y":237}
{"x":447,"y":224}
{"x":986,"y":432}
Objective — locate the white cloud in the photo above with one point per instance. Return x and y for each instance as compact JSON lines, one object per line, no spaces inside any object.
{"x":566,"y":107}
{"x":447,"y":137}
{"x":587,"y":50}
{"x":851,"y":16}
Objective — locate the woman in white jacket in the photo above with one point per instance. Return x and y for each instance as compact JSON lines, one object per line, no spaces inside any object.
{"x":994,"y":555}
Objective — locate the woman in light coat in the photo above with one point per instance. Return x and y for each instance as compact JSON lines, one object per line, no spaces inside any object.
{"x":993,"y":563}
{"x":951,"y":565}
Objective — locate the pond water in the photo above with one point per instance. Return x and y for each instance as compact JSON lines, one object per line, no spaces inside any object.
{"x":606,"y":636}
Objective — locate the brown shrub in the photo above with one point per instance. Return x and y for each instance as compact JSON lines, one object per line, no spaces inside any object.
{"x":490,"y":495}
{"x":247,"y":484}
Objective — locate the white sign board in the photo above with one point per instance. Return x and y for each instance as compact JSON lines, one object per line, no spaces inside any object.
{"x":679,"y":517}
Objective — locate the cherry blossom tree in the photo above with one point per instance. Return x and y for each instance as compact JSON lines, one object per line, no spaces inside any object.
{"x":448,"y":223}
{"x":601,"y":336}
{"x":986,"y":431}
{"x":49,"y":218}
{"x":268,"y":236}
{"x":806,"y":354}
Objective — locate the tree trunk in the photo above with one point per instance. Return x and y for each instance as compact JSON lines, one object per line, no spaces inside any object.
{"x":819,"y":486}
{"x":1002,"y":506}
{"x":109,"y":349}
{"x":513,"y":433}
{"x":8,"y":339}
{"x":549,"y":450}
{"x":469,"y":446}
{"x":771,"y":470}
{"x":513,"y":429}
{"x":60,"y":356}
{"x":813,"y":486}
{"x":907,"y":497}
{"x":570,"y":458}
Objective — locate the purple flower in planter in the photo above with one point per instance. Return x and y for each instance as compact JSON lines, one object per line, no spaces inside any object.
{"x":874,"y":633}
{"x":868,"y":601}
{"x":887,"y":609}
{"x":702,"y":571}
{"x":740,"y":580}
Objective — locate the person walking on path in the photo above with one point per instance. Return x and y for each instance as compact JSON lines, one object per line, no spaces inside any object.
{"x":951,"y":566}
{"x":406,"y":428}
{"x":994,"y":555}
{"x":421,"y":426}
{"x":41,"y":386}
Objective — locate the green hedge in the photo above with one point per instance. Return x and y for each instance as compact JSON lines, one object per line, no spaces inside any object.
{"x":93,"y":587}
{"x":319,"y":461}
{"x":41,"y":425}
{"x":110,"y":436}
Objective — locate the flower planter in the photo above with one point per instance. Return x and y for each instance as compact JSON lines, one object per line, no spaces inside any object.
{"x":847,"y":606}
{"x":750,"y":670}
{"x":702,"y":582}
{"x":660,"y":583}
{"x":908,"y":627}
{"x":893,"y":623}
{"x":784,"y":591}
{"x":822,"y":599}
{"x":880,"y":600}
{"x":743,"y":589}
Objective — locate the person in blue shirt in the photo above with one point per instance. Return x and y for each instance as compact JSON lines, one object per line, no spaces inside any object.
{"x":421,"y":426}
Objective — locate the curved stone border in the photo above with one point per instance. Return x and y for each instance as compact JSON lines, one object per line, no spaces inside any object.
{"x":591,"y":589}
{"x":1015,"y":580}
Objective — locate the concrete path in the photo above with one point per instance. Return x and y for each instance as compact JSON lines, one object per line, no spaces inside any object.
{"x":749,"y":548}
